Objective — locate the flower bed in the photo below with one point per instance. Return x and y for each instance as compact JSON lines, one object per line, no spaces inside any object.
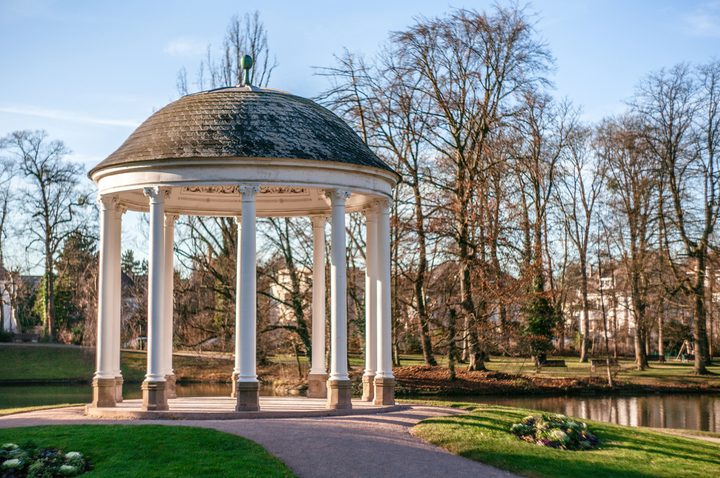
{"x":33,"y":462}
{"x":555,"y":431}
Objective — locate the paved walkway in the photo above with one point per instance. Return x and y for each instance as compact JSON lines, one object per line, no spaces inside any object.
{"x":348,"y":447}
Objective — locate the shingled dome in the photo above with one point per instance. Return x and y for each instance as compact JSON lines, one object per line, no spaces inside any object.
{"x":243,"y":153}
{"x":243,"y":122}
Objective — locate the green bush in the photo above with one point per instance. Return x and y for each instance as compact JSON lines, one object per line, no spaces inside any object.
{"x":555,"y":431}
{"x":33,"y":462}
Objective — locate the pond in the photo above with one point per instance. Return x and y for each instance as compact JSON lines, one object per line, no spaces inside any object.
{"x":691,"y":411}
{"x":14,"y":396}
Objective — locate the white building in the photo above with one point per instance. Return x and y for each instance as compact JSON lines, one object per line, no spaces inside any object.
{"x":7,"y":289}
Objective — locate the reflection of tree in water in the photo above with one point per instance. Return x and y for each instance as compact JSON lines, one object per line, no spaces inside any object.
{"x":693,"y":412}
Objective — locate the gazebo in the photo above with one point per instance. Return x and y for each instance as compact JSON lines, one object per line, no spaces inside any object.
{"x":246,"y":152}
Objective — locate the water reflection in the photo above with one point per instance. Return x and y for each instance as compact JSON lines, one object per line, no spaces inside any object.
{"x":694,"y":412}
{"x":16,"y":396}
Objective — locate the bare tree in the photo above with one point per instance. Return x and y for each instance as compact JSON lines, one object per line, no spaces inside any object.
{"x":52,"y":201}
{"x":682,"y":109}
{"x":470,"y":66}
{"x":632,"y":184}
{"x":580,"y":184}
{"x":245,"y":35}
{"x":7,"y":174}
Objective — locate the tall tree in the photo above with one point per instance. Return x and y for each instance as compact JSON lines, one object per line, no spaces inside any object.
{"x":383,"y":105}
{"x":580,"y":182}
{"x":682,"y":109}
{"x":52,"y":201}
{"x":541,"y":134}
{"x":470,"y":66}
{"x":7,"y":173}
{"x":632,"y":185}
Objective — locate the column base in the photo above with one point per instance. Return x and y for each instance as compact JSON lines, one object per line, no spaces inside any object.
{"x":153,"y":396}
{"x":368,"y":382}
{"x":339,"y":394}
{"x":119,"y":388}
{"x":170,"y":390}
{"x":317,"y":385}
{"x":248,"y":396}
{"x":233,"y":380}
{"x":103,"y":392}
{"x":384,"y":391}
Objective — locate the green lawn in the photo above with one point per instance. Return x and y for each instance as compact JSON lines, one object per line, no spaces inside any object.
{"x":483,"y":435}
{"x":155,"y":451}
{"x":670,"y":373}
{"x":40,"y":362}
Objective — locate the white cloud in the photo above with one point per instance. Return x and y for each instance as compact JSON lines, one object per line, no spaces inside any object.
{"x":185,"y":46}
{"x":704,"y":20}
{"x":67,"y":116}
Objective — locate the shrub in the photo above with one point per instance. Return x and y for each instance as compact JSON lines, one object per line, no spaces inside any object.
{"x":555,"y":431}
{"x":33,"y":462}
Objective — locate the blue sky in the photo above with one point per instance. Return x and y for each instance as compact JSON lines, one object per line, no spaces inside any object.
{"x":89,"y":71}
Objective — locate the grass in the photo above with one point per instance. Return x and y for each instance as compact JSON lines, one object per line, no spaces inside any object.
{"x":119,"y":451}
{"x":663,"y":374}
{"x":483,"y":435}
{"x":39,"y":362}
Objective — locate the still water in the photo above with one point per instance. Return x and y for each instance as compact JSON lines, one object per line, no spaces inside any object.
{"x":695,"y":412}
{"x":692,"y":411}
{"x":14,"y":396}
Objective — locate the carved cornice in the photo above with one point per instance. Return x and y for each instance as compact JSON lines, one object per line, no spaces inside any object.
{"x":235,"y":189}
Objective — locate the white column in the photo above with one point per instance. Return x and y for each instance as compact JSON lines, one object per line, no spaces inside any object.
{"x":338,"y":287}
{"x":238,"y":302}
{"x":371,"y":237}
{"x":156,"y":279}
{"x":318,"y":297}
{"x":168,"y":291}
{"x":104,"y":346}
{"x":384,"y":324}
{"x":246,"y":367}
{"x":104,"y":379}
{"x":116,"y":250}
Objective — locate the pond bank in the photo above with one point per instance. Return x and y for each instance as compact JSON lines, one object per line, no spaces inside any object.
{"x":423,"y":380}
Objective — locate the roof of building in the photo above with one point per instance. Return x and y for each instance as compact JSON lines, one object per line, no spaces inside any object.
{"x":243,"y":122}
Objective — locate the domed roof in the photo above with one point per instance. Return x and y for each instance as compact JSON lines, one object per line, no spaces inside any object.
{"x":243,"y":122}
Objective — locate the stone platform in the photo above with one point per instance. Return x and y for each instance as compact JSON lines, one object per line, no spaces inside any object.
{"x":223,"y":408}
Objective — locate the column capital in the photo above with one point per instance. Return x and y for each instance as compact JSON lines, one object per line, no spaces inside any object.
{"x":382,"y":205}
{"x":370,"y":211}
{"x":107,"y":201}
{"x":318,"y":221}
{"x":337,"y":196}
{"x":156,"y":193}
{"x":248,"y":191}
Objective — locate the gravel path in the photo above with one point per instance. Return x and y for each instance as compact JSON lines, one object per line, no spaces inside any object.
{"x":353,"y":446}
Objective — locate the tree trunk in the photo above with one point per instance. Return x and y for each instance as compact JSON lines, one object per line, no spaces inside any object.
{"x":702,"y":359}
{"x":661,"y":338}
{"x":421,"y":272}
{"x":584,"y":346}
